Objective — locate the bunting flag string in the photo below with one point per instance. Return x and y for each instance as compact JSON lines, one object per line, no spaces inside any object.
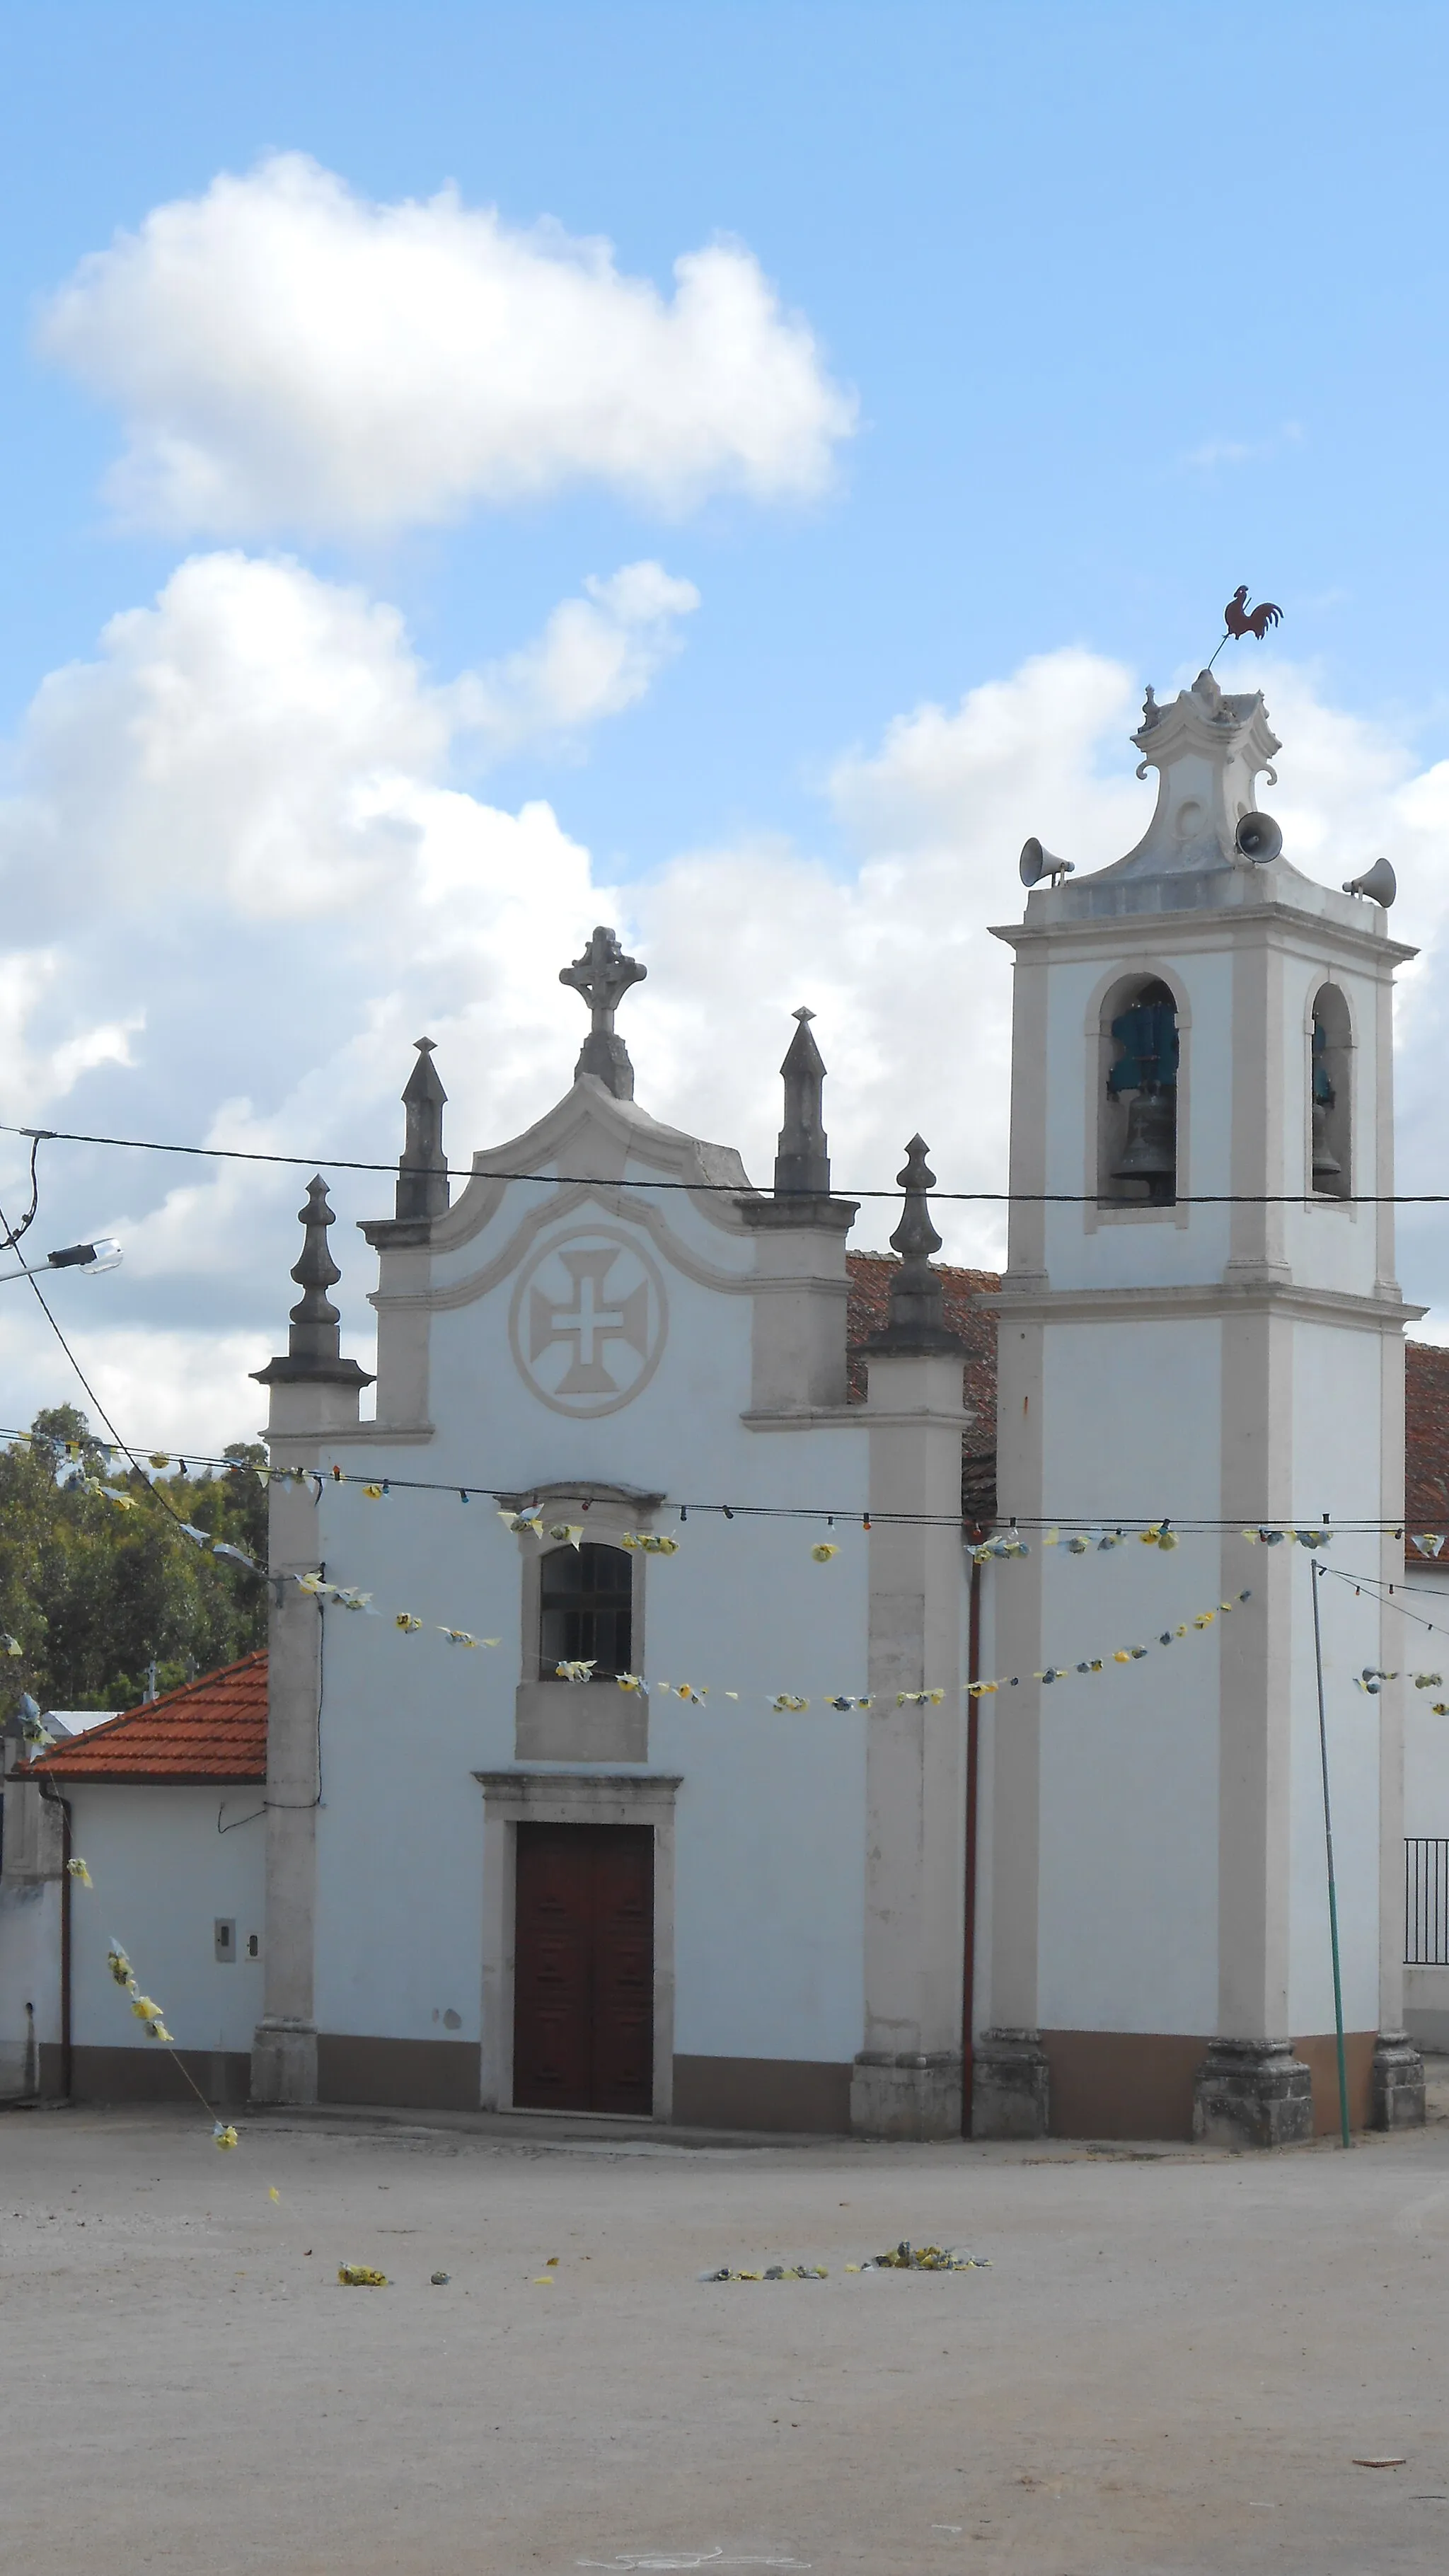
{"x":147,"y":2012}
{"x":1077,"y":1534}
{"x":1372,"y":1677}
{"x":584,"y":1669}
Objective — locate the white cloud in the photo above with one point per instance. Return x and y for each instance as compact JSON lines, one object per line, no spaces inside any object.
{"x":596,"y":656}
{"x":42,"y":1065}
{"x":263,"y":884}
{"x":162,"y":1389}
{"x":288,"y":355}
{"x":1215,"y":452}
{"x":264,"y":735}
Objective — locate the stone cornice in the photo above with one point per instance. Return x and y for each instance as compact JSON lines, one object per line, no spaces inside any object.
{"x":1286,"y":925}
{"x":804,"y":1213}
{"x":304,"y":1370}
{"x":617,"y":1201}
{"x":388,"y":1435}
{"x":812,"y":1417}
{"x":1255,"y":1294}
{"x":866,"y":1417}
{"x":526,"y":1788}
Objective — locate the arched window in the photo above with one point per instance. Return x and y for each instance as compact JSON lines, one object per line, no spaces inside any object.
{"x":1138,"y":1134}
{"x":1331,"y":1094}
{"x":586,"y":1610}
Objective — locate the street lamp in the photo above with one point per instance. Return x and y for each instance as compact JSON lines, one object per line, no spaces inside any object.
{"x":103,"y":1254}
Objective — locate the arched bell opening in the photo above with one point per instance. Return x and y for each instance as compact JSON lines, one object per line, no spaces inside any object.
{"x":1137,"y":1133}
{"x":1330,"y":1094}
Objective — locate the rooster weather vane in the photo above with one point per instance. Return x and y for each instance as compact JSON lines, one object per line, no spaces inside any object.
{"x":1239,"y":619}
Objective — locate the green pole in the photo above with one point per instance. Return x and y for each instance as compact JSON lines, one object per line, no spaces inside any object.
{"x":1315,"y":1571}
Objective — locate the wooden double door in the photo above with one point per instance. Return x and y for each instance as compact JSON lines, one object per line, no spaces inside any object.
{"x":583,"y":1974}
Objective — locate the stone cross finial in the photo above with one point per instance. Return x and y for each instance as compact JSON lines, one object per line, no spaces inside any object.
{"x":603,"y":976}
{"x":917,"y":1320}
{"x":803,"y":1160}
{"x":422,"y":1172}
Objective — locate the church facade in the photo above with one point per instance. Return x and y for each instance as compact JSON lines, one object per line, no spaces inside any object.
{"x":613,"y":1434}
{"x":711,"y":1761}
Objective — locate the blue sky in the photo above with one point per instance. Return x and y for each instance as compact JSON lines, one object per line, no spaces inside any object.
{"x":1132,"y":305}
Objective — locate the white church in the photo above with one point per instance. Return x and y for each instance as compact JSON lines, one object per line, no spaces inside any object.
{"x":652,"y":1729}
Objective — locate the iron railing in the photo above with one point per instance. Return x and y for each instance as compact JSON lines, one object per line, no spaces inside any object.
{"x":1426,"y":1901}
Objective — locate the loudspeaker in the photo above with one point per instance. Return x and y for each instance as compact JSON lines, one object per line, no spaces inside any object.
{"x":1379,"y":883}
{"x":1258,"y":838}
{"x":1036,"y":863}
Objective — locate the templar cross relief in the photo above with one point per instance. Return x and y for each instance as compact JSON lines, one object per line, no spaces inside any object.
{"x":589,"y":1322}
{"x":600,"y":1306}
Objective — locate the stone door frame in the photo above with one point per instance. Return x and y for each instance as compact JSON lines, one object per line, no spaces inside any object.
{"x":512,"y":1798}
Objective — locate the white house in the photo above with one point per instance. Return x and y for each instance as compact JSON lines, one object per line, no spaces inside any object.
{"x":650,"y":1732}
{"x":164,"y":1807}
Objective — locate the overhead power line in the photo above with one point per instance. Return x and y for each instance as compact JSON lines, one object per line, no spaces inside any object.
{"x":718,"y":1189}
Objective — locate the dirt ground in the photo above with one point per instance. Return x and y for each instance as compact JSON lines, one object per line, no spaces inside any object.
{"x":1172,"y":2363}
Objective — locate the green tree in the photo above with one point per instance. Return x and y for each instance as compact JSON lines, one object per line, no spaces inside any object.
{"x":95,"y":1590}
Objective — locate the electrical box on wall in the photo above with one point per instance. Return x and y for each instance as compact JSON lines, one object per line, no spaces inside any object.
{"x":224,"y":1939}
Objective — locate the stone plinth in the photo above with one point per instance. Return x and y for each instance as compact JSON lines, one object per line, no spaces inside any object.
{"x":1010,"y":2085}
{"x":1252,"y":2093}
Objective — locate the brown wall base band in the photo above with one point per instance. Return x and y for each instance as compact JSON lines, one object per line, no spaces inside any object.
{"x":797,"y":2094}
{"x":150,"y":2075}
{"x":1139,"y":2084}
{"x":1122,"y":2083}
{"x":401,"y":2074}
{"x":1104,"y":2084}
{"x":1320,"y":2056}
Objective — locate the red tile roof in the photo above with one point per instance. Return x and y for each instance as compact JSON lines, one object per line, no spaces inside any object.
{"x":869,"y":1306}
{"x":1426,"y":1437}
{"x":214,"y":1728}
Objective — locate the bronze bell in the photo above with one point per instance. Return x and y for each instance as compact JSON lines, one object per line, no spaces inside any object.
{"x":1150,"y":1152}
{"x":1326,"y":1166}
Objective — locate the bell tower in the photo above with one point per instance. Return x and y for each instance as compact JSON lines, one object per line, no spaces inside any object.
{"x":1199,"y":1322}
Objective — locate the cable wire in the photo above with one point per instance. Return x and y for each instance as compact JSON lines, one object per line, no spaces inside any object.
{"x":10,"y":1236}
{"x":477,"y":1488}
{"x":126,"y":1451}
{"x":725,"y":1189}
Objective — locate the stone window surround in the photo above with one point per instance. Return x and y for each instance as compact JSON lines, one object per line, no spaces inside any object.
{"x":564,"y":1719}
{"x":612,"y":1511}
{"x":512,"y":1798}
{"x":1105,"y":1004}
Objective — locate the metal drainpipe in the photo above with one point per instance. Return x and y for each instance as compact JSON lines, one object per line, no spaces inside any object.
{"x":54,"y":1798}
{"x":973,"y":1748}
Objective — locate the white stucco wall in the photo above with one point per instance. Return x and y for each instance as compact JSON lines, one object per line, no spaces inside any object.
{"x":1129,"y":1854}
{"x":163,"y":1874}
{"x":1335,"y":1430}
{"x":1425,"y":1591}
{"x":29,"y":1974}
{"x":770,"y":1817}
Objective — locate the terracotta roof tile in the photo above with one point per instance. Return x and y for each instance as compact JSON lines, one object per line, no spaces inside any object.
{"x":1426,"y":1437}
{"x":870,"y":1289}
{"x":214,"y":1728}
